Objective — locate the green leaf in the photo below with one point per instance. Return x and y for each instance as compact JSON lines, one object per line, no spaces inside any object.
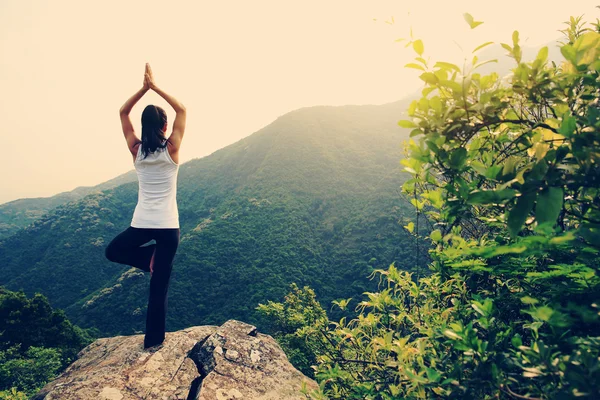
{"x":479,"y":167}
{"x":538,"y":171}
{"x":482,"y":46}
{"x":472,"y":23}
{"x":529,"y":300}
{"x":509,"y":165}
{"x":436,"y":235}
{"x":491,"y":196}
{"x":549,"y":204}
{"x":436,"y":104}
{"x":429,"y":77}
{"x":516,"y":341}
{"x":590,"y":232}
{"x":531,"y":372}
{"x":543,"y":54}
{"x":568,"y":126}
{"x":477,"y":307}
{"x":433,"y":375}
{"x":418,"y":46}
{"x":484,"y":62}
{"x":569,"y":53}
{"x":515,"y":38}
{"x":428,"y":90}
{"x":452,"y":334}
{"x":561,"y":239}
{"x":519,"y":213}
{"x":493,"y":251}
{"x":458,"y":157}
{"x":415,"y":66}
{"x":410,"y":227}
{"x":586,"y":41}
{"x":415,"y":377}
{"x":543,"y":313}
{"x":435,"y":197}
{"x":446,"y":65}
{"x":404,"y":123}
{"x":452,"y":85}
{"x":493,"y":171}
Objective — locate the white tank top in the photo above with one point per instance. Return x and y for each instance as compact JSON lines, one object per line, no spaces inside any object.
{"x":157,"y":195}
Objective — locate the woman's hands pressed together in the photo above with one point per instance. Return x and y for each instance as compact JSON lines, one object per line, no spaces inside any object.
{"x":149,"y":83}
{"x":149,"y":78}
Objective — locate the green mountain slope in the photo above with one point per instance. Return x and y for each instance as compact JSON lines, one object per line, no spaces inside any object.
{"x":312,"y":198}
{"x":17,"y":214}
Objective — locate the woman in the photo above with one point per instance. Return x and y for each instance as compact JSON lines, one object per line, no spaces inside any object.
{"x":156,"y":161}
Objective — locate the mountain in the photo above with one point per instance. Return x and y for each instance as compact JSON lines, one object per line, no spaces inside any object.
{"x":18,"y":214}
{"x":312,"y":198}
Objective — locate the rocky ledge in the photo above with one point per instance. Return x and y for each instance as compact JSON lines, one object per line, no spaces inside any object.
{"x":231,"y":361}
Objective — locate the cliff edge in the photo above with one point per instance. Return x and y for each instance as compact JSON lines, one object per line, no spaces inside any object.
{"x":231,"y":361}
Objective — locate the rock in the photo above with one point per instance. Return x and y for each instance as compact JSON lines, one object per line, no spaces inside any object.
{"x":227,"y":362}
{"x":237,"y":362}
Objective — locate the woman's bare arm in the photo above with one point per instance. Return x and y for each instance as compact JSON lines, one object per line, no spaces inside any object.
{"x":126,"y":124}
{"x":126,"y":108}
{"x":180,"y":117}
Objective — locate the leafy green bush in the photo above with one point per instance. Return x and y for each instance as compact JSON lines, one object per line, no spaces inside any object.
{"x":292,"y":321}
{"x":13,"y":394}
{"x":507,"y":172}
{"x":36,"y":343}
{"x":31,"y":371}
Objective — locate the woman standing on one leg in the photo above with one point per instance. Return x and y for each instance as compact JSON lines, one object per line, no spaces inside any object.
{"x":156,"y":161}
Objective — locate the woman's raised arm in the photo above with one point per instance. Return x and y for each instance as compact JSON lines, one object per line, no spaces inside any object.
{"x":173,"y":102}
{"x":126,"y":108}
{"x":181,"y":114}
{"x":124,"y":111}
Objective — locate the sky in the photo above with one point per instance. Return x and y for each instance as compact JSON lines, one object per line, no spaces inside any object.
{"x":66,"y":67}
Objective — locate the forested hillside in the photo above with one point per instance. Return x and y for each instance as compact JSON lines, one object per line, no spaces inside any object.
{"x":17,"y":214}
{"x":312,"y":198}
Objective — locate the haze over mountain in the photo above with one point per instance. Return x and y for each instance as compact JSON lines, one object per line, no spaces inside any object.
{"x":312,"y":198}
{"x":358,"y":62}
{"x":17,"y":214}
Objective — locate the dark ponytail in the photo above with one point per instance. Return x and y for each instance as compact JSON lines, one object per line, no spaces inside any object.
{"x":154,"y":119}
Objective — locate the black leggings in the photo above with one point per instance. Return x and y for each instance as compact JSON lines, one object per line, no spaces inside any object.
{"x":125,"y":249}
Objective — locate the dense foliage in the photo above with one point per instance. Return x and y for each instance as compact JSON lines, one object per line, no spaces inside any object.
{"x":507,"y":172}
{"x":36,"y":343}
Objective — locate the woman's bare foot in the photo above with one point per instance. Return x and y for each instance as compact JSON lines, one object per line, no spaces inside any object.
{"x":152,"y":262}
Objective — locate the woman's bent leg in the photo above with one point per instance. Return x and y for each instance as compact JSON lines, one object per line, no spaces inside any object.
{"x":167,"y":241}
{"x":125,"y":248}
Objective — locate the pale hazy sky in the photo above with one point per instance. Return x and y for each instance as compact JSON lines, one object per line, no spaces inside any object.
{"x":66,"y":67}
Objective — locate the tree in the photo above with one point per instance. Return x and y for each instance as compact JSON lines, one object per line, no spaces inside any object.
{"x":507,"y":172}
{"x":36,"y":342}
